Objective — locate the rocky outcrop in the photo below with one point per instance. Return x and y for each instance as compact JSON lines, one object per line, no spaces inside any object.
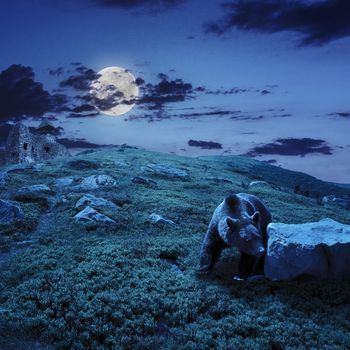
{"x":9,"y":212}
{"x":26,"y":146}
{"x":35,"y":193}
{"x":158,"y":219}
{"x":94,"y":182}
{"x":166,"y":170}
{"x":318,"y":249}
{"x":66,"y":181}
{"x":95,"y":202}
{"x":91,"y":216}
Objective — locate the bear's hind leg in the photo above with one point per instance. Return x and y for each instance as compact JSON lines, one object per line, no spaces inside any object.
{"x":259,"y":269}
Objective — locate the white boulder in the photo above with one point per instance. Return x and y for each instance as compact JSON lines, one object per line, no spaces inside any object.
{"x":318,"y":249}
{"x":95,"y":202}
{"x":91,"y":216}
{"x":96,"y":181}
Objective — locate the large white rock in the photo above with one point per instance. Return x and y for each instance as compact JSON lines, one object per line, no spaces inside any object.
{"x":319,"y":249}
{"x":65,"y":181}
{"x":95,"y":202}
{"x":96,"y":181}
{"x":91,"y":216}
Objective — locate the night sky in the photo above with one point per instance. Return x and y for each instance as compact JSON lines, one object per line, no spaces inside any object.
{"x":268,"y":79}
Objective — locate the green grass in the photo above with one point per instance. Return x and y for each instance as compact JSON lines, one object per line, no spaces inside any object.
{"x":83,"y":287}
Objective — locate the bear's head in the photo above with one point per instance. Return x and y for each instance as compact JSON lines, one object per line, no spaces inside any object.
{"x":244,"y":234}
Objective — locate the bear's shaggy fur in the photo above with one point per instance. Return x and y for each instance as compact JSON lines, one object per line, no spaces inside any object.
{"x":240,"y":221}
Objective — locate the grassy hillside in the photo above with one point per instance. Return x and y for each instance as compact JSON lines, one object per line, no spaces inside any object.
{"x":66,"y":285}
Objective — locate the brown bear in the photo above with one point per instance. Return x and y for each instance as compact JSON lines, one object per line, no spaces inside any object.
{"x":240,"y":221}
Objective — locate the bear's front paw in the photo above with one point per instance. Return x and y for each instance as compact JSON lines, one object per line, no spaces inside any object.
{"x":203,"y":272}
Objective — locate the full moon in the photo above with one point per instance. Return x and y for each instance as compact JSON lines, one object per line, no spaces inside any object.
{"x":115,"y":91}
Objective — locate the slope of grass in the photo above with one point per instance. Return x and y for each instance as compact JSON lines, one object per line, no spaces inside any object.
{"x":135,"y":286}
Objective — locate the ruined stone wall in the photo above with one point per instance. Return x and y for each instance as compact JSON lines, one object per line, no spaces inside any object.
{"x":24,"y":146}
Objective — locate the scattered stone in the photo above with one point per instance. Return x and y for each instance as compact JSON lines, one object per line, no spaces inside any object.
{"x":43,"y":189}
{"x":95,"y":202}
{"x":91,"y":216}
{"x":255,"y":184}
{"x":35,"y":193}
{"x":9,"y":212}
{"x":27,"y":146}
{"x":121,"y":164}
{"x":165,"y":170}
{"x":158,"y":219}
{"x":120,"y":199}
{"x":143,"y":181}
{"x":341,"y":201}
{"x":66,"y":181}
{"x":317,"y":249}
{"x":82,"y":164}
{"x":219,"y":180}
{"x":205,"y":144}
{"x":96,"y":181}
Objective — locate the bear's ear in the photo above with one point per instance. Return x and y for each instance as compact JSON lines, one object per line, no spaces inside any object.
{"x":256,"y":217}
{"x":232,"y":223}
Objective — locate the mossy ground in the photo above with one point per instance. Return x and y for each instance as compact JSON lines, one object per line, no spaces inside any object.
{"x":83,"y":287}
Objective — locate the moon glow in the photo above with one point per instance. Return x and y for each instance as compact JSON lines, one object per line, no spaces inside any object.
{"x":115,"y":91}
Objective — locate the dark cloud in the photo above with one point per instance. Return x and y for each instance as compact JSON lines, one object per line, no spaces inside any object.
{"x":56,"y":72}
{"x":78,"y":143}
{"x":84,"y":108}
{"x":162,"y":114}
{"x":80,"y":81}
{"x":155,"y":96}
{"x":21,"y":95}
{"x":139,"y":82}
{"x":205,"y":144}
{"x":82,"y":115}
{"x":317,"y":22}
{"x":154,"y":5}
{"x":341,"y":114}
{"x":292,"y":147}
{"x":233,"y":91}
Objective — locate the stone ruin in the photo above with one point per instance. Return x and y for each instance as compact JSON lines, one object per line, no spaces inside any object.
{"x":27,"y":146}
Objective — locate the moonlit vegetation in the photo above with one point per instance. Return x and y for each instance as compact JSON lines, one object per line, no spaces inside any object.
{"x":134,"y":286}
